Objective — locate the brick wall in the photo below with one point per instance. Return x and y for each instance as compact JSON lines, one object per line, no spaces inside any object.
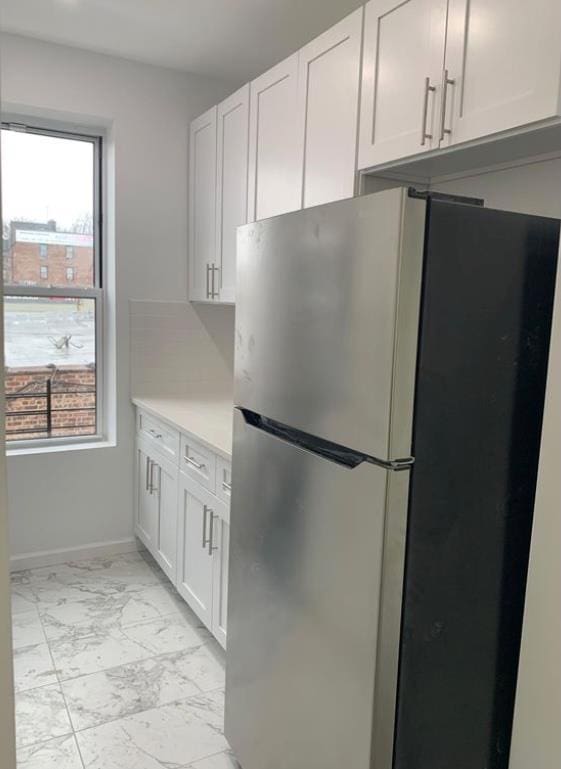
{"x":72,"y":387}
{"x":26,"y":262}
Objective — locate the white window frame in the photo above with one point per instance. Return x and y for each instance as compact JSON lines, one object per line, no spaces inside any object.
{"x":97,"y":292}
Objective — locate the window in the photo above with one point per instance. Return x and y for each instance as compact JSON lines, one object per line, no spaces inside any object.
{"x":52,"y":326}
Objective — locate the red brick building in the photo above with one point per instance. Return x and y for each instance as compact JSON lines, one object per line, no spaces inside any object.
{"x":37,"y":254}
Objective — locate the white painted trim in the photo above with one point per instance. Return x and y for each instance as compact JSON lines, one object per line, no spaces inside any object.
{"x":53,"y":557}
{"x":56,"y":448}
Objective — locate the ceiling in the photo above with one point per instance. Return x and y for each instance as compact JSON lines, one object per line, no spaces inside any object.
{"x":230,"y":39}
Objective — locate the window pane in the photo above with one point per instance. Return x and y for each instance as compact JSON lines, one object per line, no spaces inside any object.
{"x":50,"y":372}
{"x":48,"y":209}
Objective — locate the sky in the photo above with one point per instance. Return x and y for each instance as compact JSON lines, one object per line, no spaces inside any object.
{"x":45,"y":177}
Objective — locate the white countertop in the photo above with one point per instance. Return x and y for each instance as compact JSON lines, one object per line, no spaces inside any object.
{"x":206,"y":416}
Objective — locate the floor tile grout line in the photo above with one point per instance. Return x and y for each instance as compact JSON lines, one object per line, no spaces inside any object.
{"x":127,"y":627}
{"x":71,"y":722}
{"x":132,"y":662}
{"x":40,"y":743}
{"x":204,"y":758}
{"x":180,"y":701}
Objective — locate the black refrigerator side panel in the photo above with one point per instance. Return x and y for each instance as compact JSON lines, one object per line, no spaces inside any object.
{"x":486,"y":314}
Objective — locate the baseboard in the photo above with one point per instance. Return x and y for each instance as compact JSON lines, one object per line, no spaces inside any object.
{"x":53,"y":557}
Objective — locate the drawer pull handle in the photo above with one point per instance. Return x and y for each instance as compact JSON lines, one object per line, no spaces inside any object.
{"x":159,"y":436}
{"x":227,"y":486}
{"x":194,"y":463}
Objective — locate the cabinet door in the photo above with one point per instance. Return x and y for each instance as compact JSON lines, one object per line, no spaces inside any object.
{"x":231,"y":185}
{"x":165,"y":490}
{"x":195,"y":559}
{"x":221,"y":540}
{"x":504,"y":59}
{"x":275,"y":142}
{"x":401,"y":78}
{"x":147,"y":504}
{"x":328,"y":82}
{"x":202,"y":205}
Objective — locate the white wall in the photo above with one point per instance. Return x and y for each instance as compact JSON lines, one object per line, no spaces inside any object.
{"x":536,"y":740}
{"x":7,"y":721}
{"x":81,"y":497}
{"x":166,"y":337}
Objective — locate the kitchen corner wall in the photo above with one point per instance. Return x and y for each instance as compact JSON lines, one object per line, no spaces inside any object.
{"x":74,"y":499}
{"x":178,"y":346}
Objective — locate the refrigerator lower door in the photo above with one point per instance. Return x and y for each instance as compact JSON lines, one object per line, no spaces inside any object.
{"x":327,"y":319}
{"x":316,"y":558}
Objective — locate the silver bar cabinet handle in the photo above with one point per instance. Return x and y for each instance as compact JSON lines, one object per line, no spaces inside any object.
{"x":159,"y":489}
{"x":208,"y":281}
{"x":205,"y":513}
{"x":147,"y":473}
{"x":194,"y":463}
{"x":447,"y":81}
{"x":211,"y":547}
{"x":428,"y":89}
{"x":151,"y":484}
{"x":226,"y":486}
{"x":214,"y":294}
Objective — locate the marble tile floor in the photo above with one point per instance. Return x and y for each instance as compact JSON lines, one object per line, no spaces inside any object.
{"x":114,"y":671}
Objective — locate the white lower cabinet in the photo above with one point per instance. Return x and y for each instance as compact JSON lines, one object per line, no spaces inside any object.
{"x":185,"y":524}
{"x":195,"y":554}
{"x":156,"y":516}
{"x":146,"y":524}
{"x":202,"y":554}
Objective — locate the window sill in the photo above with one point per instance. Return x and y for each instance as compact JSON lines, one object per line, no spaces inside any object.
{"x":59,"y":448}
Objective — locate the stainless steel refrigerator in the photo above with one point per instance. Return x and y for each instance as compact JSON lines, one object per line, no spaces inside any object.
{"x":391,"y":359}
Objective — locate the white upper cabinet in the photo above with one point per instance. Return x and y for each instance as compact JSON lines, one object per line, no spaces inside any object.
{"x":503,"y":59}
{"x":401,"y":80}
{"x":231,"y":185}
{"x":202,"y":208}
{"x":275,"y":142}
{"x":441,"y":72}
{"x":328,"y":81}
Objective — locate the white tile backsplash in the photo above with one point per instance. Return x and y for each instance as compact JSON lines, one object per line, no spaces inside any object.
{"x":175,"y":345}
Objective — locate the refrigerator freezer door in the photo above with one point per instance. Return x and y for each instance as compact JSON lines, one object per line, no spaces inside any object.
{"x":327,"y":320}
{"x":316,"y":558}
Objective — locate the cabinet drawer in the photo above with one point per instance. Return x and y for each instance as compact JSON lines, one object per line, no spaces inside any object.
{"x":223,"y":479}
{"x":198,"y":462}
{"x":158,"y":434}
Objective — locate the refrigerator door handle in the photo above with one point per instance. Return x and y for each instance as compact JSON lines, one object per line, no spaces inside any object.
{"x":321,"y":447}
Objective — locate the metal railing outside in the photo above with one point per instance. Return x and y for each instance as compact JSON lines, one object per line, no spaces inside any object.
{"x":49,"y":390}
